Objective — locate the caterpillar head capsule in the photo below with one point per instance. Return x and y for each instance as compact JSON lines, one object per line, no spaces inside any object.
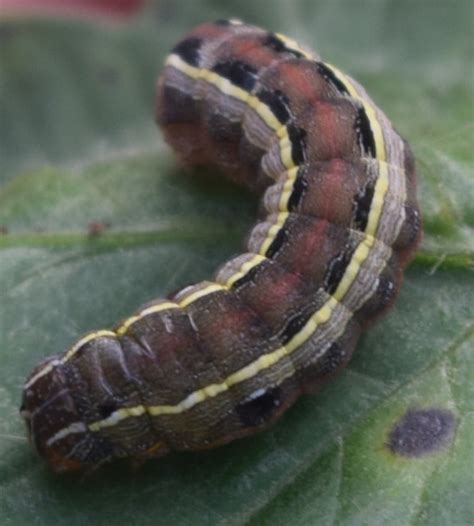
{"x":54,"y":426}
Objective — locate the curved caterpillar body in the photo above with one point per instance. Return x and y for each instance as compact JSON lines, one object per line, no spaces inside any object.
{"x":223,"y":359}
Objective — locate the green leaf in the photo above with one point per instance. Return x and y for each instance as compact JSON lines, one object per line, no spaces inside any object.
{"x":99,"y":218}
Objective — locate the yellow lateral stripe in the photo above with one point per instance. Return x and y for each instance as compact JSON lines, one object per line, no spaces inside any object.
{"x":210,"y":391}
{"x":287,"y":189}
{"x":321,"y":316}
{"x":127,"y":324}
{"x":42,"y":372}
{"x":145,"y":312}
{"x":121,"y":331}
{"x":285,"y":152}
{"x":256,"y":260}
{"x":273,"y":231}
{"x":294,"y":46}
{"x":213,"y":287}
{"x":369,"y":109}
{"x":224,"y":85}
{"x":87,"y":339}
{"x":363,"y":250}
{"x":282,"y":131}
{"x":261,"y":363}
{"x":69,"y":354}
{"x":381,"y":188}
{"x":184,"y":67}
{"x":267,"y":115}
{"x":359,"y":256}
{"x":75,"y":427}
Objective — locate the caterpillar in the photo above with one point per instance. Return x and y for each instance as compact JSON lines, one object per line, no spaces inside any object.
{"x":225,"y":358}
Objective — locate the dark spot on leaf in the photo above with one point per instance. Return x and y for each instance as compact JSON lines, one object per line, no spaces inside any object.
{"x":3,"y":230}
{"x":421,"y":431}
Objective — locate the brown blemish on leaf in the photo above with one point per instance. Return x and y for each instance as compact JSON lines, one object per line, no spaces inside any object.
{"x":421,"y":431}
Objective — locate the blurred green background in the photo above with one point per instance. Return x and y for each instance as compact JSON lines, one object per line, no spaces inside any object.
{"x":79,"y":152}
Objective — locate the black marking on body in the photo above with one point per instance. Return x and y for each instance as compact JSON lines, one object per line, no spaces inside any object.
{"x":298,"y":144}
{"x":277,"y":243}
{"x":247,"y":277}
{"x":273,"y":42}
{"x":295,"y":324}
{"x":362,"y":205}
{"x":239,"y":73}
{"x":329,"y":76}
{"x":259,"y":408}
{"x":299,"y":189}
{"x":188,"y":50}
{"x":336,"y":269}
{"x":421,"y":431}
{"x":365,"y":135}
{"x":106,"y":409}
{"x":332,"y":359}
{"x":278,"y":102}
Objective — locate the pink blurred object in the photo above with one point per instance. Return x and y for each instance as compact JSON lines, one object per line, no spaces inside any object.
{"x":108,"y":9}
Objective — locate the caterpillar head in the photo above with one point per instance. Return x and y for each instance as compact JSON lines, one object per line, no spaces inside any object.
{"x":55,"y":428}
